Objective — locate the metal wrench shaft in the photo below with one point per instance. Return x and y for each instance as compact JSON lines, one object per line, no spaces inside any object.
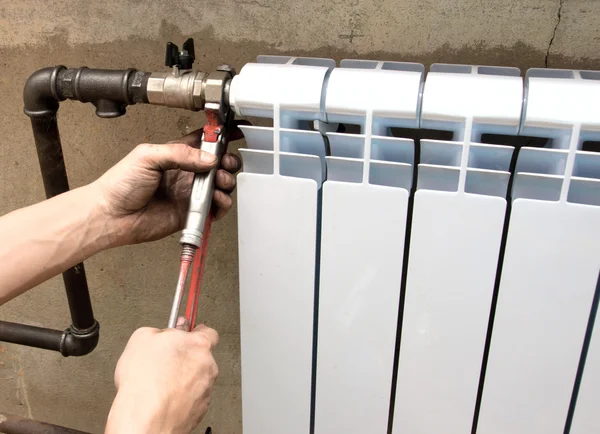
{"x":201,"y":198}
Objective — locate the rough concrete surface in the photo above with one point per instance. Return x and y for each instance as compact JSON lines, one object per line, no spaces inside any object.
{"x":133,"y":286}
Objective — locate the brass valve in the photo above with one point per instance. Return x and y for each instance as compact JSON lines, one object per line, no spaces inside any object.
{"x":186,"y":88}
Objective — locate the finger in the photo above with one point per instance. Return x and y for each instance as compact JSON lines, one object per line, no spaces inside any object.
{"x":175,"y":156}
{"x":231,"y":162}
{"x":211,"y":335}
{"x":182,"y":324}
{"x":225,"y":181}
{"x":222,"y":202}
{"x":193,"y":139}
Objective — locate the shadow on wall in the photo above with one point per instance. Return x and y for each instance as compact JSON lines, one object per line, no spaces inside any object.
{"x":211,"y":52}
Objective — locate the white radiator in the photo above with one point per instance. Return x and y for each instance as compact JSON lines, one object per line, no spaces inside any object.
{"x":326,"y":219}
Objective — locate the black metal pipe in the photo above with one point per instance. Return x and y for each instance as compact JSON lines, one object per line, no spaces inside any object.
{"x":39,"y":94}
{"x":31,"y":336}
{"x":78,"y":295}
{"x":50,"y":156}
{"x":110,"y":91}
{"x":70,"y":342}
{"x":11,"y":424}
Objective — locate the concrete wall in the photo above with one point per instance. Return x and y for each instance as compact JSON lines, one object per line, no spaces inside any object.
{"x":133,"y":286}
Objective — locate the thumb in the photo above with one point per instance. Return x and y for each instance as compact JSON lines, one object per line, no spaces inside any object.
{"x":175,"y":156}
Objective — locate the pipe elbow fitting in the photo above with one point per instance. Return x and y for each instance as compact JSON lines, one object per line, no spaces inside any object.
{"x":79,"y":342}
{"x":39,"y":94}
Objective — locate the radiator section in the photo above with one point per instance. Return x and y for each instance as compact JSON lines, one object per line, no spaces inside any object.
{"x":277,"y":218}
{"x":365,"y":203}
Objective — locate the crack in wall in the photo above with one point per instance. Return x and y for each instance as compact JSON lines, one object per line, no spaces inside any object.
{"x":558,"y":18}
{"x":252,"y":3}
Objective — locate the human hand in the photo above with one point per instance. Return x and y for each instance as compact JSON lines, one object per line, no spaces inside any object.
{"x":146,"y":194}
{"x":164,"y":381}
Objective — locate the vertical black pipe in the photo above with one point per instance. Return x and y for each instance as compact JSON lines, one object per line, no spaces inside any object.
{"x":50,"y":155}
{"x":54,"y":175}
{"x":78,"y":296}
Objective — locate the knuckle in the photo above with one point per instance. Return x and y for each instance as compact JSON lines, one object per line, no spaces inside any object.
{"x":181,"y":147}
{"x":231,"y":181}
{"x":214,"y":332}
{"x":229,"y":162}
{"x":143,"y":147}
{"x":202,"y":341}
{"x":143,"y":150}
{"x":142,"y":334}
{"x":143,"y":331}
{"x":226,"y":180}
{"x":227,"y":202}
{"x":214,"y":370}
{"x":234,"y":162}
{"x":210,"y":367}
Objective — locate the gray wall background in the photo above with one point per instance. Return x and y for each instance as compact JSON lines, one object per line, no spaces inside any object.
{"x":133,"y":286}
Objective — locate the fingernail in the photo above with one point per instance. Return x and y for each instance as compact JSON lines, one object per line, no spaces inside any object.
{"x":207,"y":157}
{"x":180,"y":321}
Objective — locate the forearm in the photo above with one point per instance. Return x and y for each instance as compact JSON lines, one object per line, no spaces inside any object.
{"x":42,"y":240}
{"x":132,"y":414}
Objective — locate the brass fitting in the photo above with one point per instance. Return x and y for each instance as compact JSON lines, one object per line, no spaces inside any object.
{"x":190,"y":90}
